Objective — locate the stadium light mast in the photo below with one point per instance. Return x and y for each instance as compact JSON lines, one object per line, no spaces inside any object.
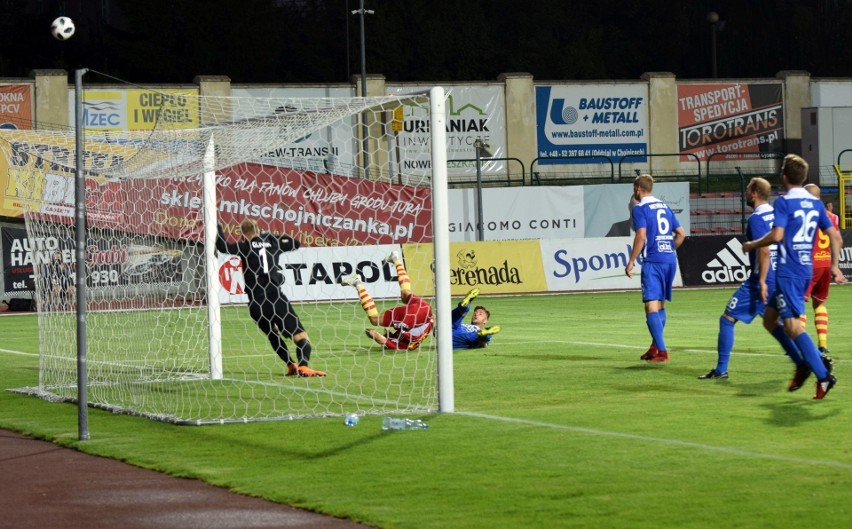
{"x":717,"y":25}
{"x":364,"y":132}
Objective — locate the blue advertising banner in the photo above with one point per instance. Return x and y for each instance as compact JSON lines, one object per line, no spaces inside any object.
{"x":592,"y":124}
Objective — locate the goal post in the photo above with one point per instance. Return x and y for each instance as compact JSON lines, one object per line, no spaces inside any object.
{"x":169,"y":334}
{"x":214,"y":312}
{"x":440,"y":223}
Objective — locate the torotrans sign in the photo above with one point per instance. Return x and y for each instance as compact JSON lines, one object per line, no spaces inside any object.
{"x":584,"y":124}
{"x":723,"y":119}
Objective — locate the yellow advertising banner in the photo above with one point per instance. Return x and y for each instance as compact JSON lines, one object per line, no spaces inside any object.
{"x":37,"y":168}
{"x":494,"y":267}
{"x":140,"y":109}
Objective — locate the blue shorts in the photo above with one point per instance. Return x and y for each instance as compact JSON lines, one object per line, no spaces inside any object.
{"x":789,"y":297}
{"x":745,"y":304}
{"x":657,"y":280}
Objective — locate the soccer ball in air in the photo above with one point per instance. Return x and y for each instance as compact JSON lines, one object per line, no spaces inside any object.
{"x":62,"y":28}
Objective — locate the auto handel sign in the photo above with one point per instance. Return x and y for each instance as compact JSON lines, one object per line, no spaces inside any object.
{"x":108,"y":262}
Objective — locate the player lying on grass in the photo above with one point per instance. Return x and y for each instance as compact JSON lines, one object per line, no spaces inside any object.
{"x":408,"y":325}
{"x":472,"y":335}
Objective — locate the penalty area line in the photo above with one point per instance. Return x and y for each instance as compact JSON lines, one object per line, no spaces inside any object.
{"x":672,"y":442}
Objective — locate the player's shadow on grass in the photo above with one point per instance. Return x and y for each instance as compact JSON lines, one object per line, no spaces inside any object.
{"x":755,"y":389}
{"x":721,"y":387}
{"x":342,"y":443}
{"x":790,"y":413}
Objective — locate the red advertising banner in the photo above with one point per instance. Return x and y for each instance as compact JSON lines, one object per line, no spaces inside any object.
{"x":729,"y":119}
{"x":16,"y":106}
{"x":317,"y":209}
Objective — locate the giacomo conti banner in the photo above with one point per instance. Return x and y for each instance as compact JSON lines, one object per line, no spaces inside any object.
{"x":592,"y":122}
{"x":558,"y":212}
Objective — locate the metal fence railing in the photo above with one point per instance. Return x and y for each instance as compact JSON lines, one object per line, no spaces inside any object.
{"x":716,"y":186}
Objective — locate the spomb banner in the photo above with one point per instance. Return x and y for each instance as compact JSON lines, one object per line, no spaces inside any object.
{"x":717,"y":119}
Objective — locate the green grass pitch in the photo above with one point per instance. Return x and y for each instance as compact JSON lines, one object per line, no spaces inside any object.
{"x":557,"y":424}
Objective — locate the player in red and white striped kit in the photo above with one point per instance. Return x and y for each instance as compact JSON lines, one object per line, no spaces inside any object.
{"x":408,"y":325}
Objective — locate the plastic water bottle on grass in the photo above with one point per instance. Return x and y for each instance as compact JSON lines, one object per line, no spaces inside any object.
{"x":392,"y":423}
{"x":351,"y":419}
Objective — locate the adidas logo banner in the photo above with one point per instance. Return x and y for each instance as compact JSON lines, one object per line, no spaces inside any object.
{"x":713,"y":260}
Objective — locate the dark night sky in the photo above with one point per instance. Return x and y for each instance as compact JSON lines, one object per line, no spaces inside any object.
{"x":257,"y":41}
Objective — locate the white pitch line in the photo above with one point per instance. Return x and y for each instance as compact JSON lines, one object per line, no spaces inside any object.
{"x":673,"y":442}
{"x":777,"y":354}
{"x":636,"y":437}
{"x":22,"y":353}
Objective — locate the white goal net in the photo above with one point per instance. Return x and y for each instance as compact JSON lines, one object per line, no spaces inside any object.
{"x":167,"y":330}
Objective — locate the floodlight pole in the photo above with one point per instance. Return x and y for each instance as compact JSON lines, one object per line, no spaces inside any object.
{"x":80,"y":253}
{"x":364,"y":129}
{"x":717,"y":25}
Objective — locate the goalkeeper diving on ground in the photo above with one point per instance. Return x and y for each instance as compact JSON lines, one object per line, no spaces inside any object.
{"x":409,"y":324}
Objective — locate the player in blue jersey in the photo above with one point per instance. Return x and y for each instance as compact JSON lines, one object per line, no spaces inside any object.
{"x":798,"y":214}
{"x":658,"y":235}
{"x":471,"y":335}
{"x":749,"y":299}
